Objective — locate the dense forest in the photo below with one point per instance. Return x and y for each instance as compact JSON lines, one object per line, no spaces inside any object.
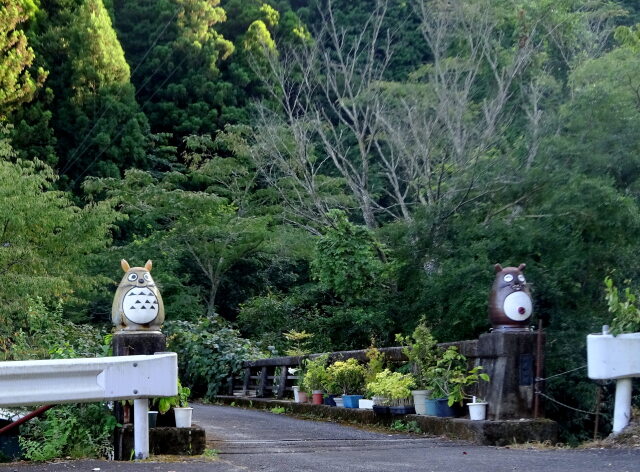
{"x":343,"y":168}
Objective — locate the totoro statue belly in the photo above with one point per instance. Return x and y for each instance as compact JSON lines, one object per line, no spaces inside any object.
{"x":510,"y":305}
{"x":137,"y":305}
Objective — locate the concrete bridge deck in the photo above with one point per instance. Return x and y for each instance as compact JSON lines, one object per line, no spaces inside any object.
{"x":250,"y":440}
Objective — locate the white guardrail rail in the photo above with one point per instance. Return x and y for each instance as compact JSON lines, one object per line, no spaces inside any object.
{"x":24,"y":383}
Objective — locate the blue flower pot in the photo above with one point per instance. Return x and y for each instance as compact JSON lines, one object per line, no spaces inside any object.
{"x":351,"y":401}
{"x":443,"y":409}
{"x":328,"y":400}
{"x":432,"y":407}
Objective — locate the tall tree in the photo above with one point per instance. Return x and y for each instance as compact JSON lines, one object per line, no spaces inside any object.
{"x":99,"y":127}
{"x":174,"y":49}
{"x":17,"y":85}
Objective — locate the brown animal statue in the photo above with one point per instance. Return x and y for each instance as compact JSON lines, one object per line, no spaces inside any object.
{"x":137,"y":305}
{"x":510,"y":305}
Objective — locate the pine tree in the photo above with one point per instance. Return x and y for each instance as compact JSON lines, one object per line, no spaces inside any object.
{"x":17,"y":85}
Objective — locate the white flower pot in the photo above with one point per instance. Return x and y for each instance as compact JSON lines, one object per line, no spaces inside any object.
{"x":296,"y":393}
{"x":477,"y":411}
{"x":339,"y":401}
{"x":183,"y":417}
{"x":365,"y":404}
{"x":420,"y":401}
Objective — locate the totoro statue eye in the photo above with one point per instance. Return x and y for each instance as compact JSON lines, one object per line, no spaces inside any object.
{"x":132,"y":277}
{"x":147,"y":277}
{"x":508,"y":278}
{"x":521,"y":278}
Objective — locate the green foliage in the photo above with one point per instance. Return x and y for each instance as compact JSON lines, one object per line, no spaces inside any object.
{"x":408,"y":426}
{"x":391,"y":385}
{"x":449,"y":376}
{"x":375,"y":364}
{"x":76,"y":431}
{"x":17,"y":85}
{"x":278,"y":410}
{"x":626,"y":314}
{"x":349,"y":260}
{"x":348,"y":376}
{"x":421,"y":348}
{"x":209,"y":353}
{"x":45,"y":333}
{"x":45,"y":239}
{"x":181,"y":400}
{"x":315,"y":375}
{"x":299,"y":342}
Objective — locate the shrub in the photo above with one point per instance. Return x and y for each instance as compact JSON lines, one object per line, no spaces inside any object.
{"x":209,"y":353}
{"x":315,"y":373}
{"x":392,"y":386}
{"x":348,"y":376}
{"x":76,"y":431}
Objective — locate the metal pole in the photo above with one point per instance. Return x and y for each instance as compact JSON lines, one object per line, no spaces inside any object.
{"x":622,"y":408}
{"x":539,"y":366}
{"x":141,"y":428}
{"x":26,"y":418}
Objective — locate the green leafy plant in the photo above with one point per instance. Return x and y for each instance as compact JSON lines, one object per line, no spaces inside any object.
{"x":298,"y":342}
{"x":348,"y":376}
{"x":209,"y":353}
{"x":421,"y":348}
{"x":76,"y":431}
{"x":315,"y":373}
{"x":409,"y":426}
{"x":391,"y":386}
{"x":181,"y":400}
{"x":278,"y":410}
{"x":450,"y":378}
{"x":626,"y":314}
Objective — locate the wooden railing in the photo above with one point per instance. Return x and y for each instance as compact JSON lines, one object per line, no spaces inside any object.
{"x":271,"y":377}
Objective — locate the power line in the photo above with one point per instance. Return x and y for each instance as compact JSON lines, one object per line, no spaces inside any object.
{"x":78,"y":153}
{"x":122,"y":130}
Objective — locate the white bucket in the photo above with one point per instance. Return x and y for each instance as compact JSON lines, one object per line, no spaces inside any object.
{"x":477,"y":411}
{"x":183,"y":417}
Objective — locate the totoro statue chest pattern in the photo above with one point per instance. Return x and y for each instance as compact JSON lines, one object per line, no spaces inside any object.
{"x":137,"y":305}
{"x":510,"y":305}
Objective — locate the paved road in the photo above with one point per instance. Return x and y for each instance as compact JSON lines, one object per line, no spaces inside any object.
{"x":259,"y":441}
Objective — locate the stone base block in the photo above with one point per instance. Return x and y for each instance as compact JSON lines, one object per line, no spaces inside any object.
{"x":166,"y":440}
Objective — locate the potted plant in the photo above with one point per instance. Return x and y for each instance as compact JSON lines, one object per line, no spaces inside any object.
{"x":180,"y":405}
{"x":477,"y":409}
{"x":375,"y":365}
{"x":449,"y":379}
{"x":615,"y":354}
{"x":348,"y":376}
{"x":421,"y":348}
{"x":315,"y":377}
{"x":392,"y":392}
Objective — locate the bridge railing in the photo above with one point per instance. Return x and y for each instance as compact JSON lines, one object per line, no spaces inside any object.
{"x":508,"y":357}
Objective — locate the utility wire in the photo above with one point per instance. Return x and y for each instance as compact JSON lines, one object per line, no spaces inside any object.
{"x":119,"y":133}
{"x":78,"y":153}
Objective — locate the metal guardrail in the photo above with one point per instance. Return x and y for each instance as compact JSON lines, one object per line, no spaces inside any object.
{"x":136,"y":378}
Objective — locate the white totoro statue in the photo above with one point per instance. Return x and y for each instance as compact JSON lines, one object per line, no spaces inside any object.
{"x":137,"y":305}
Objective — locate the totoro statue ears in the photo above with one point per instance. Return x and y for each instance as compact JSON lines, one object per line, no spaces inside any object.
{"x":148,"y":265}
{"x":498,"y":267}
{"x":125,"y":265}
{"x":522,"y":266}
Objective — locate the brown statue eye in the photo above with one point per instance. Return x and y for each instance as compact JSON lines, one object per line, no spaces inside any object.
{"x":508,"y":278}
{"x":521,"y":278}
{"x":147,"y":277}
{"x":132,"y":277}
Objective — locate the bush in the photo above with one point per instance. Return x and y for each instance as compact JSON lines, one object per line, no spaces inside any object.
{"x":209,"y":353}
{"x":348,"y":376}
{"x":76,"y":431}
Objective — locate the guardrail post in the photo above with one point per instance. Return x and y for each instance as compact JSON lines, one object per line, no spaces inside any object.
{"x":141,"y":428}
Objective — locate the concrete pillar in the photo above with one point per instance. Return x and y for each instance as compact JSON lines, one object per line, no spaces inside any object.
{"x":130,"y":343}
{"x":509,"y":359}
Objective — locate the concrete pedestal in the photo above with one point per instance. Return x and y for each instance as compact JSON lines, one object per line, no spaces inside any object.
{"x":130,"y":343}
{"x":509,"y":359}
